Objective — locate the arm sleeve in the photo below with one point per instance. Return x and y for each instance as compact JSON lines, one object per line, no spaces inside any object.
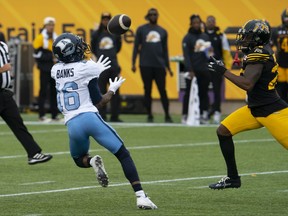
{"x":137,"y":43}
{"x":94,"y":91}
{"x":165,"y":50}
{"x":4,"y":55}
{"x":186,"y":54}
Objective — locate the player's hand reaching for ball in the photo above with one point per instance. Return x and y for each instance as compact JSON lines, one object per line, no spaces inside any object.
{"x":103,"y":64}
{"x":114,"y":85}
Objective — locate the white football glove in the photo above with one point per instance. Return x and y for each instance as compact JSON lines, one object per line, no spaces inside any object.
{"x":114,"y":85}
{"x":103,"y":64}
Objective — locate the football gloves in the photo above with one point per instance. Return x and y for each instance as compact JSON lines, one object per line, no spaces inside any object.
{"x":216,"y":66}
{"x":103,"y":64}
{"x":114,"y":85}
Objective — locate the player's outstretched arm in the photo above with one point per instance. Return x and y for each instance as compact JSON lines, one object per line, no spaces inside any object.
{"x":114,"y":86}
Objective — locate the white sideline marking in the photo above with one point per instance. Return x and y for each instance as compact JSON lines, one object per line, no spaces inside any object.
{"x":148,"y":182}
{"x":37,"y":131}
{"x":33,"y":215}
{"x":156,"y":146}
{"x":125,"y":124}
{"x":114,"y":125}
{"x":33,"y":183}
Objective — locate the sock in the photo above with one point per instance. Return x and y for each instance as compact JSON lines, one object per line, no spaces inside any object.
{"x":140,"y":193}
{"x":227,"y":148}
{"x":89,"y":161}
{"x":129,"y":168}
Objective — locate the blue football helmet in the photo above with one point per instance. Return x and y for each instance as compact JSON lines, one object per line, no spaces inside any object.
{"x":69,"y":48}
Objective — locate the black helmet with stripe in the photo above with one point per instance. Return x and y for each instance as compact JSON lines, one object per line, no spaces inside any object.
{"x":253,"y":33}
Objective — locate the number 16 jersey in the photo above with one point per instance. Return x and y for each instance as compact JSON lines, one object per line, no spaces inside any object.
{"x":72,"y":79}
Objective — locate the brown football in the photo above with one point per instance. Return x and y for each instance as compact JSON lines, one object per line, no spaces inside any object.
{"x":119,"y":24}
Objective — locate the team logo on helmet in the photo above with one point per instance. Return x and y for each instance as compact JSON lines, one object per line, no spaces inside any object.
{"x":66,"y":46}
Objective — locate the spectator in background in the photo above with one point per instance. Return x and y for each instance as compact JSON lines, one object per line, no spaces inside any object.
{"x":221,"y":51}
{"x":104,"y":43}
{"x":10,"y":112}
{"x":2,"y":37}
{"x":43,"y":55}
{"x":196,"y":51}
{"x":279,"y":39}
{"x":151,"y":44}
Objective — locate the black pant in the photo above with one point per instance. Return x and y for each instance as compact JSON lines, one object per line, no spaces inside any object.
{"x":203,"y":80}
{"x":10,"y":114}
{"x":217,"y":83}
{"x":47,"y":84}
{"x":149,"y":74}
{"x":103,"y":83}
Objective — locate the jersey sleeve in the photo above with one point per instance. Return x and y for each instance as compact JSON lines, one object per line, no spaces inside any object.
{"x":258,"y":55}
{"x":90,"y":70}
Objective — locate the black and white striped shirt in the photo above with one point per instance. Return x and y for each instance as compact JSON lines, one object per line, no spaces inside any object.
{"x":5,"y":78}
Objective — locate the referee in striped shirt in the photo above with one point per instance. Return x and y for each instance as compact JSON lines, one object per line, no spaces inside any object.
{"x":11,"y":115}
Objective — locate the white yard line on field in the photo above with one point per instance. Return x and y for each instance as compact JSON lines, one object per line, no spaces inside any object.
{"x":115,"y":125}
{"x":33,"y":183}
{"x":148,"y":182}
{"x":176,"y":145}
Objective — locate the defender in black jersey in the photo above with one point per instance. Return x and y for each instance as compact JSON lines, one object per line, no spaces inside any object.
{"x":265,"y":107}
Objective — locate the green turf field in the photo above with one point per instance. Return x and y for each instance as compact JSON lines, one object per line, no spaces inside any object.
{"x":176,"y":164}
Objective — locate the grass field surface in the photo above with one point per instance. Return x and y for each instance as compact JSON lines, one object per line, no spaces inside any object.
{"x":176,"y":164}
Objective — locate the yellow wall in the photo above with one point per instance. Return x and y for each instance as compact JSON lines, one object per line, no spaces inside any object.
{"x":26,"y":18}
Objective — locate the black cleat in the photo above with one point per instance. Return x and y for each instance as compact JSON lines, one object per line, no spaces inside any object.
{"x":150,"y":119}
{"x":226,"y":182}
{"x":115,"y":120}
{"x":168,"y":119}
{"x":39,"y":158}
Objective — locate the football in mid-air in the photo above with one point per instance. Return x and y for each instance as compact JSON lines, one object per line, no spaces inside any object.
{"x":119,"y":24}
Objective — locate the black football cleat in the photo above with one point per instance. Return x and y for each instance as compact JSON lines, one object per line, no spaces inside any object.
{"x":39,"y":158}
{"x":226,"y":182}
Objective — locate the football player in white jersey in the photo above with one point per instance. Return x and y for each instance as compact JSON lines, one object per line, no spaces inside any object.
{"x":78,"y":97}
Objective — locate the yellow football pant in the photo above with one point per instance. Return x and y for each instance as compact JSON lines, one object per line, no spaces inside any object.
{"x":276,"y":123}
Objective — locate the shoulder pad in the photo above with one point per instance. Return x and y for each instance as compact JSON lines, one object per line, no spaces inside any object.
{"x":258,"y":54}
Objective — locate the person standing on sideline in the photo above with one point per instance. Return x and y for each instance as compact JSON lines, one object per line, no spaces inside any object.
{"x":280,"y":40}
{"x":10,"y":112}
{"x":42,"y":45}
{"x":104,"y":43}
{"x":151,"y":44}
{"x":221,"y":51}
{"x":265,"y":107}
{"x":78,"y":99}
{"x":196,"y":48}
{"x":2,"y":37}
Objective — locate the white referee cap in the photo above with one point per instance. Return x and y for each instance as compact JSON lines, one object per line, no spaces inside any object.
{"x":48,"y":20}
